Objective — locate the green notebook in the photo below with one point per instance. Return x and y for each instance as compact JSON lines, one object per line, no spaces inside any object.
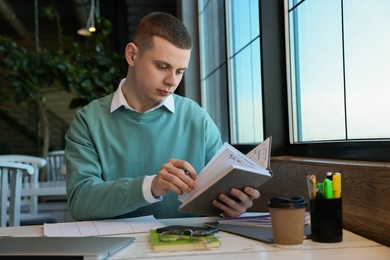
{"x":185,"y":244}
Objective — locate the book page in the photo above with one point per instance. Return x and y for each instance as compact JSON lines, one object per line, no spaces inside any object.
{"x":261,"y":154}
{"x":224,"y":159}
{"x":219,"y":161}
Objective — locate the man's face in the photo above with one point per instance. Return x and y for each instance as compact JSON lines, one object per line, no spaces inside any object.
{"x":158,"y":71}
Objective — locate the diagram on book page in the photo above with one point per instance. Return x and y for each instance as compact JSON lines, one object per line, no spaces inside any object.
{"x":261,"y":154}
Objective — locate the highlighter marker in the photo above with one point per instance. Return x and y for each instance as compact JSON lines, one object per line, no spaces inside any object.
{"x":336,"y":185}
{"x":328,"y":189}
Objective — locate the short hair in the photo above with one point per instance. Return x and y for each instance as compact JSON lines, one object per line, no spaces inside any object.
{"x":163,"y":25}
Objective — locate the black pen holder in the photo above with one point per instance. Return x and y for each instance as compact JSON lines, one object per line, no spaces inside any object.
{"x":326,"y":220}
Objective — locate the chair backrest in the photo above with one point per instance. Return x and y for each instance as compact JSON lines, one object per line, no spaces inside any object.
{"x":36,"y":162}
{"x":11,"y":175}
{"x":55,"y":162}
{"x":28,"y":181}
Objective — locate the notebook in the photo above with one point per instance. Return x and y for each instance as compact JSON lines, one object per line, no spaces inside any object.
{"x":66,"y":247}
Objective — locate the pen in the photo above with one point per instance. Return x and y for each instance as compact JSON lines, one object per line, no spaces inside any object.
{"x":336,"y":184}
{"x":312,"y":186}
{"x":186,"y":172}
{"x":320,"y":190}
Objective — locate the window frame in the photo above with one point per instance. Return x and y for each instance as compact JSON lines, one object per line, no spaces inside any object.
{"x":367,"y":149}
{"x":275,"y":101}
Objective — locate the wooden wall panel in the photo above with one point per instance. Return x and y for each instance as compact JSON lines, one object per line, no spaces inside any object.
{"x":365,"y":191}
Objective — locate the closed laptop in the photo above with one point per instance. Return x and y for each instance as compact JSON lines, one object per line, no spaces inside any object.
{"x":66,"y":247}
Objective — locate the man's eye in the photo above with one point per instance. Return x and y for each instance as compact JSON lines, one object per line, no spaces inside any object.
{"x":180,"y":72}
{"x":162,"y":67}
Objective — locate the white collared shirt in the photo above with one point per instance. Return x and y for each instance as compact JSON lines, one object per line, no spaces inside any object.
{"x":119,"y":100}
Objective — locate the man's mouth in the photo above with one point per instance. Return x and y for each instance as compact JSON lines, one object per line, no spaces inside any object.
{"x":164,"y":92}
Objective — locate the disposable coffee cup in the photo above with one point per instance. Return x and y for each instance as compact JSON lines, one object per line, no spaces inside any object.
{"x":288,"y":220}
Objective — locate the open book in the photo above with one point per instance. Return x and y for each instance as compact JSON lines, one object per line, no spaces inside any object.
{"x":228,"y":169}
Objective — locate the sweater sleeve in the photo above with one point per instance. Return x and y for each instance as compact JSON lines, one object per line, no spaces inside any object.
{"x":213,"y":138}
{"x":89,"y":195}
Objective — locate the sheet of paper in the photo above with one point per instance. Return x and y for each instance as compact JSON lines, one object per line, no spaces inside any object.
{"x":101,"y":227}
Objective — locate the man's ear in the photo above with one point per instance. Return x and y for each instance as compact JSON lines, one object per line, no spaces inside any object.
{"x":130,"y":53}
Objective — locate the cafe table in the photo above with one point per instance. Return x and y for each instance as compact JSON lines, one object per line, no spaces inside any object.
{"x":353,"y":246}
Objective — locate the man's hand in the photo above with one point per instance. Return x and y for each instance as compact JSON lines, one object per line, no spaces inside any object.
{"x":233,"y":208}
{"x":176,"y":175}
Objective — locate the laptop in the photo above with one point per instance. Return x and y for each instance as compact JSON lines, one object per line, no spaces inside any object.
{"x":65,"y":247}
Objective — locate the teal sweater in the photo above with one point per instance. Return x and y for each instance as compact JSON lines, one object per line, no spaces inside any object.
{"x":108,"y":155}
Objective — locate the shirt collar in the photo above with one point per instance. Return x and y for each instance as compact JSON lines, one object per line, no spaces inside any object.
{"x":119,"y":100}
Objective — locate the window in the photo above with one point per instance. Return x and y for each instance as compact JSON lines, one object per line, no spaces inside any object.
{"x":244,"y":71}
{"x":212,"y":36}
{"x":339,"y":69}
{"x":230,"y":68}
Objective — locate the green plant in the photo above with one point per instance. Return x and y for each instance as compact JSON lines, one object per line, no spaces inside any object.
{"x":90,"y":69}
{"x":26,"y":76}
{"x":96,"y":69}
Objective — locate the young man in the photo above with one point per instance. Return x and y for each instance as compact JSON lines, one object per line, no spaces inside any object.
{"x":128,"y":153}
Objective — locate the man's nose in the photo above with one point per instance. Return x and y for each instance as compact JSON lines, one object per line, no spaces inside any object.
{"x":172,"y":79}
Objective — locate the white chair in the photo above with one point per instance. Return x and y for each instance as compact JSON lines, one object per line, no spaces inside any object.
{"x":12,"y":174}
{"x":28,"y":181}
{"x":31,"y":188}
{"x":55,"y":165}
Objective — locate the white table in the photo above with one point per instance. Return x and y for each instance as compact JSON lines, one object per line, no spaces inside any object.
{"x":48,"y":188}
{"x":236,"y":247}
